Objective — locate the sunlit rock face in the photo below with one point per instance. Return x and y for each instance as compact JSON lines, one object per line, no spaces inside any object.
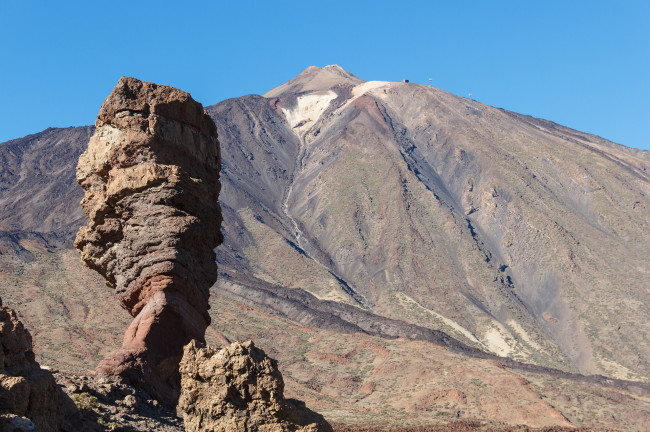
{"x":239,"y":388}
{"x":150,"y":178}
{"x":28,"y":394}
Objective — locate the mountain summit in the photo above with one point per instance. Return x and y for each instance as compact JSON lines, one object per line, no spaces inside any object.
{"x":315,"y":79}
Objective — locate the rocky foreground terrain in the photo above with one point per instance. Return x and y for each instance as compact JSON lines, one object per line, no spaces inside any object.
{"x":454,"y":386}
{"x":409,"y":257}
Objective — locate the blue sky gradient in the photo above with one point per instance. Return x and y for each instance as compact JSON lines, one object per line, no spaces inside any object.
{"x":583,"y":64}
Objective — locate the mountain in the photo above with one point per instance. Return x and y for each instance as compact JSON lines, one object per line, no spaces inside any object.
{"x":367,"y":224}
{"x":515,"y":235}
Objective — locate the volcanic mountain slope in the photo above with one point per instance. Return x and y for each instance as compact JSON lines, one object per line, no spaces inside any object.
{"x":512,"y":234}
{"x":37,"y":196}
{"x":352,"y":379}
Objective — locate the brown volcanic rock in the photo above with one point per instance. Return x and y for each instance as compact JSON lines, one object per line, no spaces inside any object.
{"x":26,"y":390}
{"x":151,"y":181}
{"x":239,"y":388}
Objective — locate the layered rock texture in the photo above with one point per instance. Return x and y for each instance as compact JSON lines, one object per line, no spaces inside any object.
{"x":150,"y":178}
{"x":28,"y":394}
{"x":239,"y":388}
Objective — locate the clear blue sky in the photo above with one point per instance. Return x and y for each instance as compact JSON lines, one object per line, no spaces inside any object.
{"x":583,"y":64}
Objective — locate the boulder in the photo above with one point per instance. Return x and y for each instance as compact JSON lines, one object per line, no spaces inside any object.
{"x":239,"y":388}
{"x":28,"y":393}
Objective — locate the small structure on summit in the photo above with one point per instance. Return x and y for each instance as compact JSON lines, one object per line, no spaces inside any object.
{"x":150,"y":178}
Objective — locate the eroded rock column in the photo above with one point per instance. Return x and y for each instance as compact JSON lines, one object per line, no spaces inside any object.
{"x":150,"y":178}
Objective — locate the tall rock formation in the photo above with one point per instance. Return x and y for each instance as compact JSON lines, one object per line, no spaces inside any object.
{"x":239,"y":388}
{"x":26,"y":390}
{"x":150,"y":178}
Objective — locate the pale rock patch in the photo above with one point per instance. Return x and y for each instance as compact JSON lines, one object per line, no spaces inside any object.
{"x":494,"y":339}
{"x":405,"y":299}
{"x":308,"y":110}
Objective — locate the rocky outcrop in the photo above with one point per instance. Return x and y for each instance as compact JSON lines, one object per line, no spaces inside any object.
{"x":239,"y":388}
{"x":28,"y":394}
{"x":150,"y":178}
